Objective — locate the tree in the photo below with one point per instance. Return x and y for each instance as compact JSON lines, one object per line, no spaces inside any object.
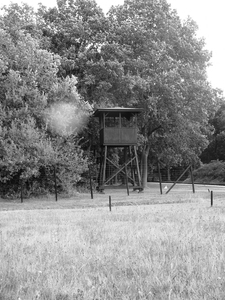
{"x":218,"y":120}
{"x":164,"y":71}
{"x":29,"y":86}
{"x":215,"y":149}
{"x":75,"y":30}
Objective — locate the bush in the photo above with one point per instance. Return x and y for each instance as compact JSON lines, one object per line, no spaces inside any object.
{"x":213,"y":172}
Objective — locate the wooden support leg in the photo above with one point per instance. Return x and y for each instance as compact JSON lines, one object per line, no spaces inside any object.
{"x":100,"y":170}
{"x":137,"y":164}
{"x":132,"y":167}
{"x":104,"y":165}
{"x":126,"y":176}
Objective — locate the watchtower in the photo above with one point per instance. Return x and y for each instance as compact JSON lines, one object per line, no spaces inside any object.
{"x":118,"y":129}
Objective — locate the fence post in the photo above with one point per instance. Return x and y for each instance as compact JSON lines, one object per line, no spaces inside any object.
{"x":192,"y":179}
{"x":178,"y":179}
{"x":110,"y":203}
{"x":91,"y":188}
{"x":21,"y":191}
{"x":211,"y":193}
{"x":55,"y":182}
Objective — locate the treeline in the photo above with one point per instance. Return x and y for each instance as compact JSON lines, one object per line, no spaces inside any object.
{"x":61,"y":62}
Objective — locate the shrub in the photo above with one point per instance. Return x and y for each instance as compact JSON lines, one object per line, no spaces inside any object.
{"x":213,"y":172}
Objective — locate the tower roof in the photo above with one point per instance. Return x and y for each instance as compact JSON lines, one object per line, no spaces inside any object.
{"x":115,"y":110}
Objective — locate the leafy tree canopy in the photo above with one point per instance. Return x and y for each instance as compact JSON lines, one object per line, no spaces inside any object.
{"x":29,"y":87}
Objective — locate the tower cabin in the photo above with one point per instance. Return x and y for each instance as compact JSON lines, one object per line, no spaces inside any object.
{"x":118,"y":126}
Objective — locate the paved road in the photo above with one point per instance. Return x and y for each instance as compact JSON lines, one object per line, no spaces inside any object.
{"x":186,"y":187}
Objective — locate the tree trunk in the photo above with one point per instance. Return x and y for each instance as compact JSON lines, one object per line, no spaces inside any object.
{"x":144,"y":166}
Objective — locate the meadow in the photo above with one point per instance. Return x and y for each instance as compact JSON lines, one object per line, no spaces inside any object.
{"x":173,"y":249}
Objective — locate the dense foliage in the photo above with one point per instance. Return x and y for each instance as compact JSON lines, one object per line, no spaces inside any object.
{"x":141,"y":54}
{"x":215,"y":149}
{"x":211,"y":173}
{"x":31,"y":143}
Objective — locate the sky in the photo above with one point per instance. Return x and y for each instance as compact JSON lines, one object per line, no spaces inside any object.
{"x":209,"y":16}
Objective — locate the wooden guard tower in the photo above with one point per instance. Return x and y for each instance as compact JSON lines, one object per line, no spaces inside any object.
{"x":118,"y":129}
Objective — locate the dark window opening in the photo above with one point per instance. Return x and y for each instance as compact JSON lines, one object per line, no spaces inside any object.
{"x":128,"y":121}
{"x":112,"y":122}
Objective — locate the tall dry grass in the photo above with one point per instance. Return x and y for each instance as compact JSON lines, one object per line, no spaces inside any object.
{"x":170,"y":251}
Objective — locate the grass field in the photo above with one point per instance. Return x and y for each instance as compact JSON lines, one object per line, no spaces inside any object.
{"x":174,"y":249}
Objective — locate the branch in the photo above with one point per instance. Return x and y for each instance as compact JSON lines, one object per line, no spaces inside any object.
{"x":156,"y":128}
